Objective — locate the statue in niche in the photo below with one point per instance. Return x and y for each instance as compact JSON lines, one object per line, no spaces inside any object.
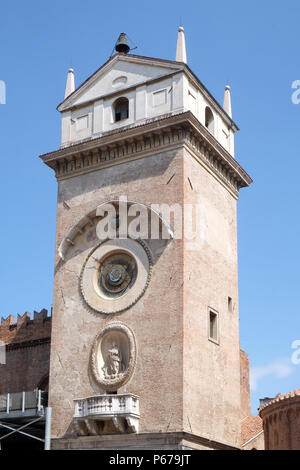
{"x":113,"y":365}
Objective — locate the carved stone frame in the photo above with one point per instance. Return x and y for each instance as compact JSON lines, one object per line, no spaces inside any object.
{"x":86,"y":286}
{"x":123,"y":378}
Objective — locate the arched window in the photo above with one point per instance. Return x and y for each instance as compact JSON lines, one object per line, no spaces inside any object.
{"x":121,"y":108}
{"x":209,"y":120}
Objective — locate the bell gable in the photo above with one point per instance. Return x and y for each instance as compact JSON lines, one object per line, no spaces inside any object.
{"x":121,"y":72}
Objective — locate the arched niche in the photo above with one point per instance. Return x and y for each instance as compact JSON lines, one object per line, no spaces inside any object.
{"x":113,"y":356}
{"x":121,"y":109}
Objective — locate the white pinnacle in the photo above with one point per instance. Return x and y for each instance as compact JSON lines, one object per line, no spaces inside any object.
{"x":227,"y":101}
{"x":181,"y":50}
{"x":70,"y":85}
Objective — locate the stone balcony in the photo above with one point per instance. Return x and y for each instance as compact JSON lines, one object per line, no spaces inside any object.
{"x":107,"y":414}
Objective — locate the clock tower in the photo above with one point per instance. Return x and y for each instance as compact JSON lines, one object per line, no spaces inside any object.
{"x":145,"y":338}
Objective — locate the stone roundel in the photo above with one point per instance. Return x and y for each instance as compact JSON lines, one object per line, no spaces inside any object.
{"x":113,"y":356}
{"x":115,"y":275}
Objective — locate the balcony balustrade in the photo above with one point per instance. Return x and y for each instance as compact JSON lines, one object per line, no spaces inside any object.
{"x":106,"y":414}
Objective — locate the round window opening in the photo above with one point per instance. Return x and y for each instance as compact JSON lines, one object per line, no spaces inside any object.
{"x":117,"y":273}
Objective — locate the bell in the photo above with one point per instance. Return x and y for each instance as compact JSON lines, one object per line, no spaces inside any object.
{"x":121,"y":45}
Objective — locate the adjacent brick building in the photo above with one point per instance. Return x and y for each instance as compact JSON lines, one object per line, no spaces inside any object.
{"x":281,"y":421}
{"x":27,"y":352}
{"x":252,"y":436}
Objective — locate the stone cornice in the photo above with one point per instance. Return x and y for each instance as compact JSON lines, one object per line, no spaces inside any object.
{"x":27,"y":344}
{"x":140,"y":141}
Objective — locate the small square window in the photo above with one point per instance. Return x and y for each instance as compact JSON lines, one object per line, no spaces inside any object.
{"x":213,"y":326}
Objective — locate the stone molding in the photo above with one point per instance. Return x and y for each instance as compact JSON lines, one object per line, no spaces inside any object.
{"x":108,"y":306}
{"x":121,"y":379}
{"x":139,"y":141}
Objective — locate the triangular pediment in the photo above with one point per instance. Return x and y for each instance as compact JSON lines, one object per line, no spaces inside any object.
{"x":120,"y":72}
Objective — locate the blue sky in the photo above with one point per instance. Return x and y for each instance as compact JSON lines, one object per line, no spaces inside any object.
{"x":253,"y":46}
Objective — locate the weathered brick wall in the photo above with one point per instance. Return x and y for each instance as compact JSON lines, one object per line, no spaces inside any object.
{"x":211,"y":368}
{"x":27,"y":345}
{"x":156,"y":319}
{"x":252,"y":436}
{"x":245,"y":385}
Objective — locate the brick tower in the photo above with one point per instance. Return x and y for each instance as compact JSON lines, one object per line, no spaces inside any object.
{"x":145,"y":337}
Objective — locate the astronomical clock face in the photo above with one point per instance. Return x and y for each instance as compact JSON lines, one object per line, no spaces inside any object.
{"x":115,"y":275}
